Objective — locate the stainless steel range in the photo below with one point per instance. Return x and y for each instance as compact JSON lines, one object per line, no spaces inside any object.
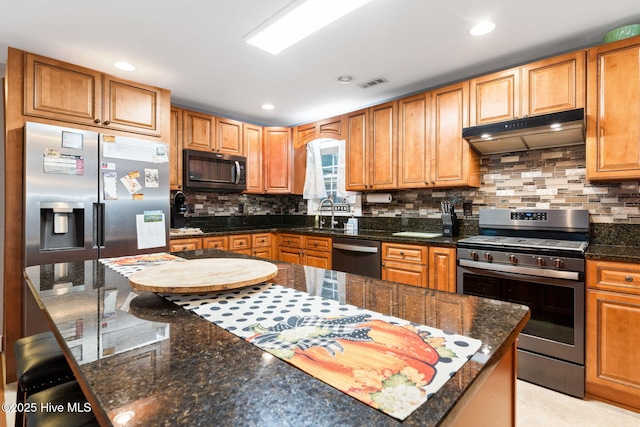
{"x":535,"y":257}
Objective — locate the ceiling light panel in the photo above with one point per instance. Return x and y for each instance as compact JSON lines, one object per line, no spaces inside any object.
{"x":300,"y":20}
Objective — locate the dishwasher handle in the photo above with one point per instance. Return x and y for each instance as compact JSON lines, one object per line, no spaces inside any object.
{"x":355,"y":248}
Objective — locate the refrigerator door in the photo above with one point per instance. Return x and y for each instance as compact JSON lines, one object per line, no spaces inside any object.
{"x":60,"y":182}
{"x":133,"y":191}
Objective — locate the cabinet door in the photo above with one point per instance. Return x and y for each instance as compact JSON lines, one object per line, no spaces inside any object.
{"x":454,"y":163}
{"x":240,"y":242}
{"x":612,"y":341}
{"x":175,"y":150}
{"x":495,"y":97}
{"x":290,"y":255}
{"x":442,"y":269}
{"x":229,"y":137}
{"x":262,"y":253}
{"x":327,"y":128}
{"x":414,"y":156}
{"x":198,"y":131}
{"x":131,"y":107}
{"x":60,"y":91}
{"x":613,"y":112}
{"x":253,"y":148}
{"x":317,"y":259}
{"x":384,"y":298}
{"x":357,"y":157}
{"x":554,"y":84}
{"x":402,"y":272}
{"x":383,"y":164}
{"x":277,"y":160}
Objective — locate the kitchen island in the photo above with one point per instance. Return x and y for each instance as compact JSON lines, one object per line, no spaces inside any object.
{"x":147,"y":361}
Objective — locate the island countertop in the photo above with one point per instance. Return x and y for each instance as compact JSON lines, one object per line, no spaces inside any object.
{"x":139,"y":356}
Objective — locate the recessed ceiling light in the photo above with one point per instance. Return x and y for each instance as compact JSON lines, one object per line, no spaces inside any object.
{"x":482,"y":28}
{"x":297,"y":21}
{"x":345,"y":79}
{"x":124,"y":66}
{"x":267,"y":106}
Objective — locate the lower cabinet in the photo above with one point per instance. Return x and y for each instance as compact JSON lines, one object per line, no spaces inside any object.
{"x":612,"y":335}
{"x":262,"y":245}
{"x":432,"y":267}
{"x":305,"y":250}
{"x":217,"y":242}
{"x":190,"y":244}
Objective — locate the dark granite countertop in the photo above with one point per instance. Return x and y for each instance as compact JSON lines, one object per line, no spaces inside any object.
{"x":614,"y":253}
{"x":381,"y":235}
{"x":163,"y":365}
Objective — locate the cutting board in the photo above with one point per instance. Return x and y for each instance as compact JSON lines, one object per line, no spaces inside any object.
{"x":202,"y":275}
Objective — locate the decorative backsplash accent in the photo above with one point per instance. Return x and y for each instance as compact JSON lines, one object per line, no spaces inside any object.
{"x":550,"y":178}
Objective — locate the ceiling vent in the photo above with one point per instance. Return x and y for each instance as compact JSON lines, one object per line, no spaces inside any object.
{"x":373,"y":82}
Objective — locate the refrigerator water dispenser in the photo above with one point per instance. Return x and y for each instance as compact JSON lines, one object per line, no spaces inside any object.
{"x":61,"y":225}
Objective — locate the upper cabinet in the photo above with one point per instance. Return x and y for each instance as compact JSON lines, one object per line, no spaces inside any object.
{"x":414,"y":154}
{"x":65,"y":92}
{"x":204,"y":132}
{"x":542,"y":87}
{"x":253,"y":149}
{"x":613,"y":114}
{"x":453,"y":162}
{"x":372,"y":148}
{"x":327,"y":128}
{"x":175,"y":150}
{"x":277,"y":160}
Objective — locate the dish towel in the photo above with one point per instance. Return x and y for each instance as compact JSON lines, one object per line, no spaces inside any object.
{"x":314,"y":187}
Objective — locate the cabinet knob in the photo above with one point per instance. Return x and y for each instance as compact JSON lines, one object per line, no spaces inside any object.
{"x":628,"y":279}
{"x":107,"y":122}
{"x":315,"y":244}
{"x":96,"y":121}
{"x":402,"y":253}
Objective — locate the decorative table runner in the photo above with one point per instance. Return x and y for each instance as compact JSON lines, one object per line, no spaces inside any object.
{"x":386,"y":362}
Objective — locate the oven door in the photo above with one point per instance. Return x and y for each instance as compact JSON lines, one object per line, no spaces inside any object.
{"x":556,"y":327}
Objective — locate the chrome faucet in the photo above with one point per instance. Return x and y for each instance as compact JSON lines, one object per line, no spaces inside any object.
{"x":332,"y":211}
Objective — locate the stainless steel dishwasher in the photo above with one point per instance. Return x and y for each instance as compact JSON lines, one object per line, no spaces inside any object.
{"x":356,"y":256}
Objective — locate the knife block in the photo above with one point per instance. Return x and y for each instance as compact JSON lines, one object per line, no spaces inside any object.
{"x":450,"y":225}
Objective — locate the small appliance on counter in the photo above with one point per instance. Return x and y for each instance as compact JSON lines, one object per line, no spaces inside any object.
{"x":449,"y":220}
{"x":178,"y":210}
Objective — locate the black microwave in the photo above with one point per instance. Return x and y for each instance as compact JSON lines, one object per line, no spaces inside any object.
{"x":214,"y":171}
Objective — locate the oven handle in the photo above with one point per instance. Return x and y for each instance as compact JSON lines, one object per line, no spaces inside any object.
{"x":555,"y":274}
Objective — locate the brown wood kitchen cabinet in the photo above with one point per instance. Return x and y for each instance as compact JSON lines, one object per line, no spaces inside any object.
{"x":542,"y":87}
{"x":327,"y":128}
{"x":65,"y":92}
{"x":442,"y":269}
{"x":277,"y":160}
{"x":404,"y":264}
{"x":188,"y":244}
{"x":204,"y":132}
{"x":306,"y":250}
{"x":252,"y":135}
{"x":175,"y":149}
{"x":612,"y":338}
{"x":613,"y":88}
{"x":414,"y":141}
{"x":216,"y":242}
{"x":262,"y":245}
{"x":371,"y":148}
{"x":240,"y":244}
{"x":453,"y":162}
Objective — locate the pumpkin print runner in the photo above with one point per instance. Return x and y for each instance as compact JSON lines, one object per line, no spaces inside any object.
{"x":386,"y":362}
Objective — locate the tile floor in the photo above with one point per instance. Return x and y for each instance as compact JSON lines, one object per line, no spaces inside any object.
{"x":536,"y":407}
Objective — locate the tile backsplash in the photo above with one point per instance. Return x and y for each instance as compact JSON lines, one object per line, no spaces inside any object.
{"x":550,"y":178}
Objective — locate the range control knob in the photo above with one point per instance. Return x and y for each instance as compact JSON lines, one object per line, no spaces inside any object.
{"x":540,"y":262}
{"x":474,"y":255}
{"x":558,"y":263}
{"x":488,"y":256}
{"x":513,"y":259}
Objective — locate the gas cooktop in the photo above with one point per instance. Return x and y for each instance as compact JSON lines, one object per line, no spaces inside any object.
{"x":525,"y":242}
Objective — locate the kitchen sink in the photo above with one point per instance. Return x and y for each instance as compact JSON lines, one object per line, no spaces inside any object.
{"x":417,"y":234}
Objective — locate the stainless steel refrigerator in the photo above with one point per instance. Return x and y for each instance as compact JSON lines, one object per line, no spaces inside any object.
{"x":93,"y":195}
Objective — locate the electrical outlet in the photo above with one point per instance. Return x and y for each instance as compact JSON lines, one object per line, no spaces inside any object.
{"x":191,"y":209}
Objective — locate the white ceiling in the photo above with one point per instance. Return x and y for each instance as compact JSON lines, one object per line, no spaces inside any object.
{"x":195,"y":48}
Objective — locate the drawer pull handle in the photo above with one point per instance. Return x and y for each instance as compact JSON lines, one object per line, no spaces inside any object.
{"x":628,"y":278}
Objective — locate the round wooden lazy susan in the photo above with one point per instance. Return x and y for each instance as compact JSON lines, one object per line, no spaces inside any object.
{"x":202,"y":275}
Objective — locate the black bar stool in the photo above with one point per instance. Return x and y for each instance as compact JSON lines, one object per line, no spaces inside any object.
{"x":40,"y":365}
{"x":63,"y":405}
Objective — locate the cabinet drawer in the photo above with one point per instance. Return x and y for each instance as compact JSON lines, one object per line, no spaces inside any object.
{"x":185,"y":244}
{"x":405,"y":253}
{"x":261,"y":240}
{"x":614,"y":276}
{"x":221,"y":242}
{"x":318,"y":243}
{"x":291,"y":240}
{"x":241,"y":241}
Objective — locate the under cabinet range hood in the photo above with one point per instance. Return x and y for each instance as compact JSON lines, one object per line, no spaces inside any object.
{"x":529,"y":133}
